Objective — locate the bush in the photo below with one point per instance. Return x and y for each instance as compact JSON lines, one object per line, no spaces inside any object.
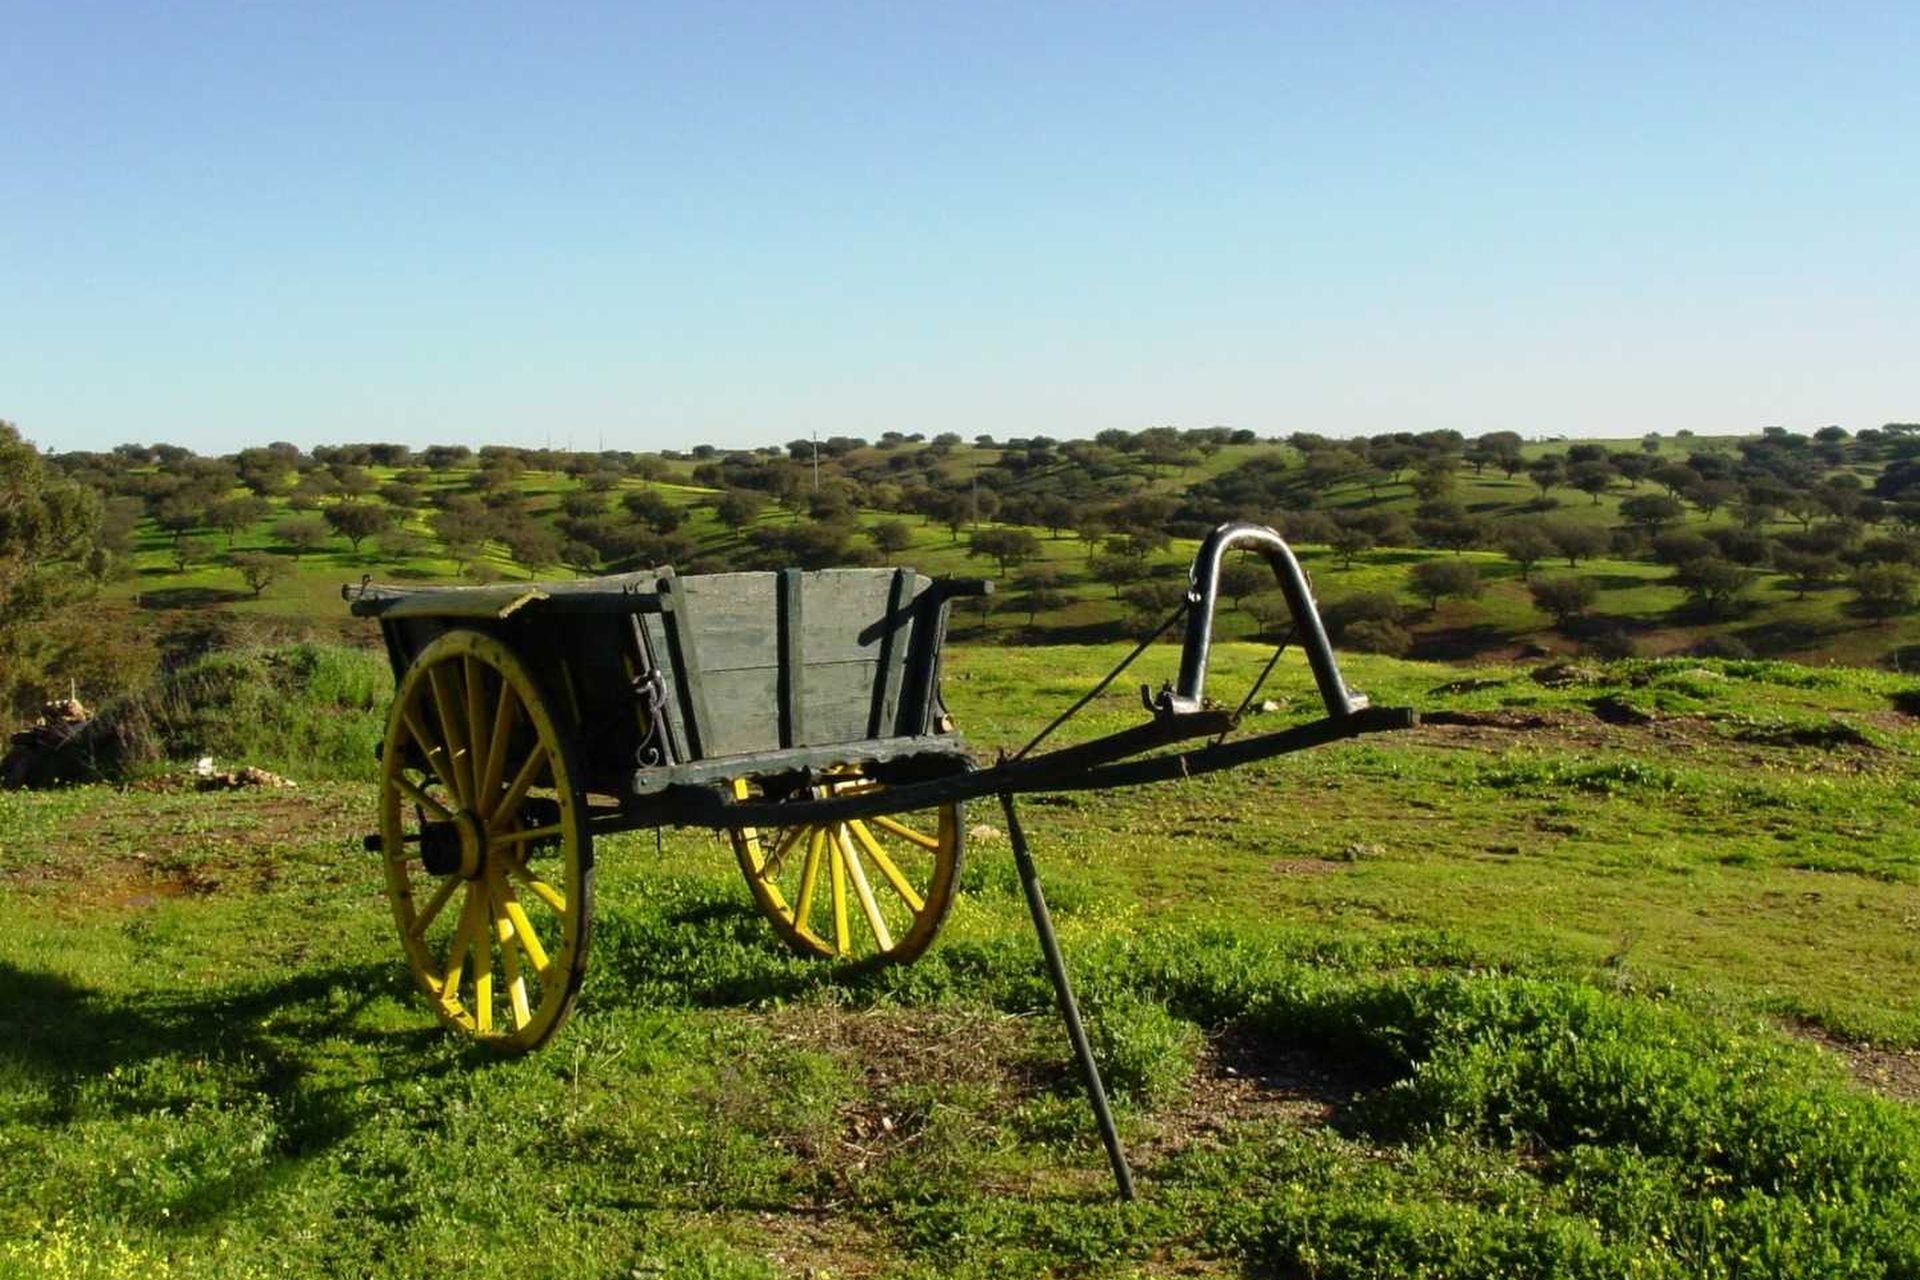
{"x":1883,"y":590}
{"x":1723,"y":646}
{"x":308,"y":710}
{"x":1376,"y":635}
{"x":1610,"y":643}
{"x":1742,"y":546}
{"x":1341,"y":614}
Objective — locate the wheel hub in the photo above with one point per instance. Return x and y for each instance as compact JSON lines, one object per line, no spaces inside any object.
{"x":458,"y":847}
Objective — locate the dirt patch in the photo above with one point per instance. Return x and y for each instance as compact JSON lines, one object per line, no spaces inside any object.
{"x":1719,"y":741}
{"x":1240,"y":1079}
{"x":820,"y":1244}
{"x":901,"y":1055}
{"x":1307,"y":866}
{"x":132,"y":851}
{"x":1892,"y":1073}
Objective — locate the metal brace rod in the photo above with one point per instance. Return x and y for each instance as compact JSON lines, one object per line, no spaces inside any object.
{"x":1069,"y":1010}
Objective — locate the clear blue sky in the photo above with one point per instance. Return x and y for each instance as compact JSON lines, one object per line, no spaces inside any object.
{"x":651,"y":226}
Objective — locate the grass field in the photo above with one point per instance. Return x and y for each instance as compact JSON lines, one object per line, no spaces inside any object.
{"x":1608,"y":975}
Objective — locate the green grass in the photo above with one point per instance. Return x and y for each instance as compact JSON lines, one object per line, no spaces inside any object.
{"x":1529,"y":991}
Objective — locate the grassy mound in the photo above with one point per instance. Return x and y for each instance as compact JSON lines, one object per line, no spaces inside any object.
{"x":305,"y":710}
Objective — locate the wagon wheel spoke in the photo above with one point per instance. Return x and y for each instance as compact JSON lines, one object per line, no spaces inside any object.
{"x":540,"y":888}
{"x":474,"y":680}
{"x":435,"y":904}
{"x":905,"y":832}
{"x":510,"y":838}
{"x":525,"y":937}
{"x":887,"y":883}
{"x":505,"y":716}
{"x":887,"y":869}
{"x":809,"y":877}
{"x":522,"y":782}
{"x":842,"y":934}
{"x":503,"y":936}
{"x":430,"y":747}
{"x":882,"y":935}
{"x":476,"y":777}
{"x":449,"y":711}
{"x":406,"y":788}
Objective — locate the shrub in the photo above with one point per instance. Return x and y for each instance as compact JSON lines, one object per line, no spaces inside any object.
{"x":1741,"y":546}
{"x":257,"y":569}
{"x":1565,"y":598}
{"x":1651,"y":510}
{"x":1808,"y":571}
{"x":1723,"y":646}
{"x":1376,"y":635}
{"x":1883,"y":590}
{"x":1343,"y":613}
{"x":1526,"y":544}
{"x":1576,"y":542}
{"x":1611,"y":642}
{"x":309,"y":710}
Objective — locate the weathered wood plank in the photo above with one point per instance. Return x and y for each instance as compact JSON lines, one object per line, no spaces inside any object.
{"x":894,"y":641}
{"x":682,"y":643}
{"x":793,"y":659}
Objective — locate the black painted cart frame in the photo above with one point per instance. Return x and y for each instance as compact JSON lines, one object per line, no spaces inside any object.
{"x":799,"y":712}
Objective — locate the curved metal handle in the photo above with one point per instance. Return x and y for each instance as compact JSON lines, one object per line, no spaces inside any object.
{"x":1203,"y":593}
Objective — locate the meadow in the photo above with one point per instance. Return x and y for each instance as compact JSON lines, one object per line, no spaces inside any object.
{"x":1606,"y":970}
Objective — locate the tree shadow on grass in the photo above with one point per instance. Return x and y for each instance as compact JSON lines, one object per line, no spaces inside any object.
{"x":189,"y":597}
{"x":1453,"y":644}
{"x":1621,"y":581}
{"x":66,"y":1035}
{"x":1772,"y":639}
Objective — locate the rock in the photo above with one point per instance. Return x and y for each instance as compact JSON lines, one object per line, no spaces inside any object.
{"x":1562,"y":673}
{"x":32,"y":754}
{"x":1617,"y":710}
{"x":1267,"y":707}
{"x":982,"y":831}
{"x":238,"y":780}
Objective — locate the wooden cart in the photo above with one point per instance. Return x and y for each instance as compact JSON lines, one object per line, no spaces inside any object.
{"x":528,"y":718}
{"x":799,"y":712}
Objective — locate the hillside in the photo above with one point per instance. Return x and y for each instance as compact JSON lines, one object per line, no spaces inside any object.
{"x":1774,"y":545}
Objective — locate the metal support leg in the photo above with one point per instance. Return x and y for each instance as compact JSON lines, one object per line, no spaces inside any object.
{"x":1070,"y":1011}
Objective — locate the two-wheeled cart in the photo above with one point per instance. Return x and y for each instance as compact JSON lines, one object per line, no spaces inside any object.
{"x":797,"y":711}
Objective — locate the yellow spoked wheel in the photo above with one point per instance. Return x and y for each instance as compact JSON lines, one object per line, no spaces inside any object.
{"x":870,"y":890}
{"x":484,"y":834}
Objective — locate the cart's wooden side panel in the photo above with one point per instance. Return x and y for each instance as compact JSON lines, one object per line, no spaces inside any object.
{"x":725,"y":630}
{"x":848,"y":627}
{"x":771,"y":661}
